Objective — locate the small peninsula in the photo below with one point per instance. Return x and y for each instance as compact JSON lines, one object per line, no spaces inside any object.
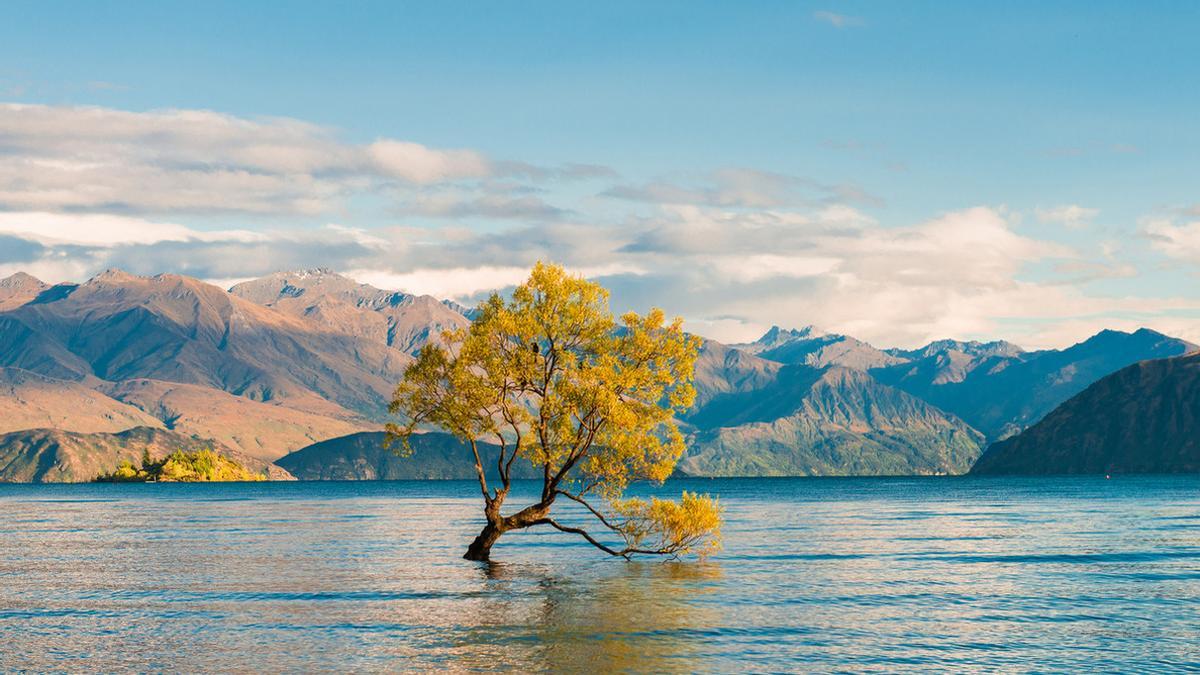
{"x":201,"y":466}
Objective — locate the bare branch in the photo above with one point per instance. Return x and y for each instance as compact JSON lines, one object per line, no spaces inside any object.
{"x":626,"y":552}
{"x":479,"y":470}
{"x":589,"y":507}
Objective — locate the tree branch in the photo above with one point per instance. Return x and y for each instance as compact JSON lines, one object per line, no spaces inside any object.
{"x":575,"y":456}
{"x":626,"y":552}
{"x":479,"y":470}
{"x":589,"y":507}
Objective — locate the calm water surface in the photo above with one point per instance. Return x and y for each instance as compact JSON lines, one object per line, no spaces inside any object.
{"x":958,"y":574}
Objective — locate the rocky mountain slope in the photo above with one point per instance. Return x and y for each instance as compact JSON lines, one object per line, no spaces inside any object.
{"x":822,"y":422}
{"x":1144,"y":418}
{"x":19,"y":289}
{"x":996,"y":387}
{"x":400,"y":320}
{"x":812,"y":347}
{"x":56,"y":456}
{"x":32,"y":401}
{"x":118,"y":326}
{"x":121,"y":351}
{"x":363,"y":456}
{"x":1000,"y":391}
{"x":261,"y":430}
{"x":721,"y":369}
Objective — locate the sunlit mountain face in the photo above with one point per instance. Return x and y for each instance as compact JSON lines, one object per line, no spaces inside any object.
{"x":279,"y":363}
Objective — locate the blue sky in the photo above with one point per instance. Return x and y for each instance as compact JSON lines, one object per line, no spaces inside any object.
{"x":837,"y":157}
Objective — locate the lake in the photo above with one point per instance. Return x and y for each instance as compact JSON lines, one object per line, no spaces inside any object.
{"x":859,"y":574}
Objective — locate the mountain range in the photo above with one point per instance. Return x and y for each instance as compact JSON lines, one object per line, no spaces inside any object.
{"x":278,"y":364}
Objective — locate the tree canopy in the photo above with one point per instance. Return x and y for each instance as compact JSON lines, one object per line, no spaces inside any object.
{"x":556,"y":380}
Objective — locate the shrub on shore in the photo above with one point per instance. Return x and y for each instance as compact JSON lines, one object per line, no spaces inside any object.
{"x":181,"y":467}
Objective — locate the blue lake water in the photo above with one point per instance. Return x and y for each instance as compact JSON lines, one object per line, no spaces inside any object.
{"x":921,"y":574}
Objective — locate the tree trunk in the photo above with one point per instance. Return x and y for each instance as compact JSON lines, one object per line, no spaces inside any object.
{"x":481,"y":548}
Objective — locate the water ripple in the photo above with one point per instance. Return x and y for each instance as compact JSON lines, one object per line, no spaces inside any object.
{"x":906,"y":574}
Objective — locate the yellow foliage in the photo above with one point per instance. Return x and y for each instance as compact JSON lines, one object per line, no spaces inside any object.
{"x":184,"y":467}
{"x":554,"y":378}
{"x":691,"y":525}
{"x":125,"y":472}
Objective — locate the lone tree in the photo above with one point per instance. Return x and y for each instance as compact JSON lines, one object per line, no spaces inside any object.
{"x":554,"y":379}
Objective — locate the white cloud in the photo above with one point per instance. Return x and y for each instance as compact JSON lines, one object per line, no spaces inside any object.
{"x":729,"y":331}
{"x":419,"y":164}
{"x":1071,"y":216}
{"x":105,"y":230}
{"x":79,"y":159}
{"x":760,"y":267}
{"x":1176,"y":240}
{"x":52,"y":270}
{"x":957,"y":275}
{"x":464,"y":283}
{"x":454,"y":283}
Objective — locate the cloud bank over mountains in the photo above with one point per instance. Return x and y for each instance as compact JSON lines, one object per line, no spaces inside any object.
{"x":733,"y":249}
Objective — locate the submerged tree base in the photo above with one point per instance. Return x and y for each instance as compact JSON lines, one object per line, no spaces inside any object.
{"x":658,"y":527}
{"x":481,"y":549}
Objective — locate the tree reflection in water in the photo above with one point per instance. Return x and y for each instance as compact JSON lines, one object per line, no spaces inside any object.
{"x":636,"y":616}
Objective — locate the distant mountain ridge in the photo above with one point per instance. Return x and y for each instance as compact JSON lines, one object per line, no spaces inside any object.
{"x":286,"y":362}
{"x":812,"y":347}
{"x":400,"y":320}
{"x":999,"y":394}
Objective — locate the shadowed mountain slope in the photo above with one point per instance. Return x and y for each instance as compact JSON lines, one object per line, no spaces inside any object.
{"x":363,"y":456}
{"x":1142,"y":419}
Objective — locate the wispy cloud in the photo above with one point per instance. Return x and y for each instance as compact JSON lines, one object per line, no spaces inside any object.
{"x":488,"y":206}
{"x":957,"y":274}
{"x":837,"y":20}
{"x":743,"y":187}
{"x":1175,"y":239}
{"x":101,"y":85}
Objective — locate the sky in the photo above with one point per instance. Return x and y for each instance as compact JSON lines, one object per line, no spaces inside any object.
{"x":901,"y":172}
